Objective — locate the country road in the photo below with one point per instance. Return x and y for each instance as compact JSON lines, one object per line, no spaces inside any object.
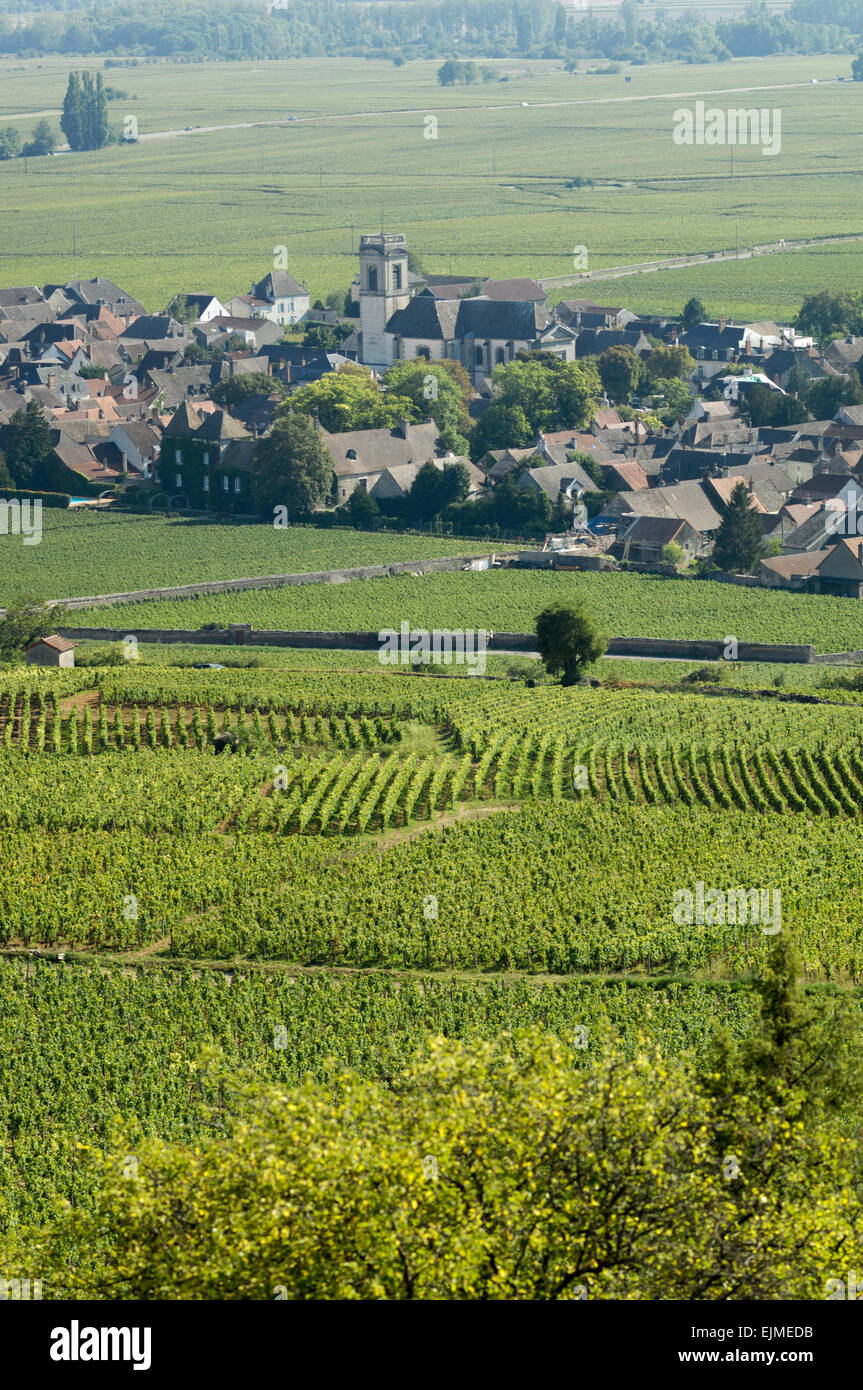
{"x":444,"y":111}
{"x":746,"y":253}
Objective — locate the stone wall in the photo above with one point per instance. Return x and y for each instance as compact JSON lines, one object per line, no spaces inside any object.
{"x":278,"y":581}
{"x":500,"y":642}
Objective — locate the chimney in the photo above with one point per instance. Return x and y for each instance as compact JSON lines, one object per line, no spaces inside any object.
{"x":723,"y":323}
{"x":404,"y":425}
{"x":124,"y":463}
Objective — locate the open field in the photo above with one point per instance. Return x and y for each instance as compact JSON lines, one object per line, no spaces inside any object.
{"x":493,"y":196}
{"x":624,"y":605}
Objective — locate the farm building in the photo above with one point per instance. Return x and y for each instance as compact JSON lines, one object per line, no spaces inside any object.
{"x":50,"y":651}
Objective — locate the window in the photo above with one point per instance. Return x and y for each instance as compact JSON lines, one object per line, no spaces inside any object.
{"x":178,"y":480}
{"x":500,"y":355}
{"x":226,"y":482}
{"x":206,"y":458}
{"x":479,"y":357}
{"x":397,"y":277}
{"x":351,"y":454}
{"x":178,"y":456}
{"x":205,"y":482}
{"x":373,"y":277}
{"x":236,"y":484}
{"x":424,"y":352}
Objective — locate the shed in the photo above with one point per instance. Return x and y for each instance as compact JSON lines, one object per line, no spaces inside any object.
{"x":50,"y":651}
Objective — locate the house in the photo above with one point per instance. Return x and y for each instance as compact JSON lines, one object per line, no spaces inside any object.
{"x":554,"y":479}
{"x":646,"y":537}
{"x":361,"y":457}
{"x":685,"y":501}
{"x":50,"y":651}
{"x":583,"y":313}
{"x":203,"y":306}
{"x":498,"y":462}
{"x":206,"y":464}
{"x":627,"y":475}
{"x":278,"y":297}
{"x":100,"y":291}
{"x":255,"y":332}
{"x":138,"y":443}
{"x":591,"y":342}
{"x":844,"y":354}
{"x":837,"y":570}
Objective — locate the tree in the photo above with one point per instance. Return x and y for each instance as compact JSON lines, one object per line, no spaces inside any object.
{"x":501,"y":426}
{"x":44,"y":140}
{"x":85,"y":121}
{"x":619,"y":370}
{"x":740,"y":538}
{"x":567,"y":641}
{"x":667,"y":363}
{"x":824,"y":397}
{"x":10,"y":143}
{"x":72,"y":119}
{"x":673,"y":554}
{"x":326,"y":337}
{"x":441,"y":390}
{"x":764,"y":406}
{"x":677,"y":397}
{"x":29,"y":444}
{"x":293,"y":468}
{"x":350,"y":399}
{"x":694,"y":313}
{"x":434,"y":489}
{"x":25,"y":621}
{"x":235,"y":389}
{"x":361,"y":510}
{"x":523,"y":510}
{"x":828,"y":313}
{"x":553,"y":394}
{"x":857,"y":69}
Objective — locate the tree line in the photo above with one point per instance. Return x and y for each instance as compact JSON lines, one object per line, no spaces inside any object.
{"x":437,"y":28}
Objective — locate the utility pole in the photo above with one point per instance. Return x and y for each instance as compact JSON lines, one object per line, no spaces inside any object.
{"x":732,"y":161}
{"x":74,"y":237}
{"x":737,"y":236}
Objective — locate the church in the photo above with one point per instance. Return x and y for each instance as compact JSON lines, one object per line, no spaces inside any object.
{"x":403,"y":316}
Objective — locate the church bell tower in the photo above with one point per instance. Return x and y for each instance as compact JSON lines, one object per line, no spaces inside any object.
{"x":383,"y":290}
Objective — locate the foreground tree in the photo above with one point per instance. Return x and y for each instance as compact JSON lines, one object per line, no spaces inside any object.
{"x":567,"y":1175}
{"x":740,"y":540}
{"x":568,"y":641}
{"x":293,"y":468}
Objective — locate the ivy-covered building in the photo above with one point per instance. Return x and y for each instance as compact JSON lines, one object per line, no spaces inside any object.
{"x":207,"y":464}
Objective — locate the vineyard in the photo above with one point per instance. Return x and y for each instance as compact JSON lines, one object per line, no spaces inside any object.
{"x":202,"y":854}
{"x":508,"y":600}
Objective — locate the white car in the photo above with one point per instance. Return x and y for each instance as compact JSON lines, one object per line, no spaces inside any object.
{"x":524,"y":103}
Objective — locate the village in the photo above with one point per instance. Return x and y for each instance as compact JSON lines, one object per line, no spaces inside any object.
{"x":168,"y":411}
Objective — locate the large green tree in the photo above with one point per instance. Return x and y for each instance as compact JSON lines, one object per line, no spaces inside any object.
{"x":620,"y":372}
{"x":434,"y":489}
{"x":350,"y":399}
{"x":740,"y":540}
{"x":26,"y":618}
{"x":567,"y":641}
{"x":438,"y":390}
{"x":293,"y":468}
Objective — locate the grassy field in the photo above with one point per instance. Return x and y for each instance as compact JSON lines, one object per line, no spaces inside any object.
{"x":492,"y":187}
{"x":625,"y":605}
{"x":87,"y":553}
